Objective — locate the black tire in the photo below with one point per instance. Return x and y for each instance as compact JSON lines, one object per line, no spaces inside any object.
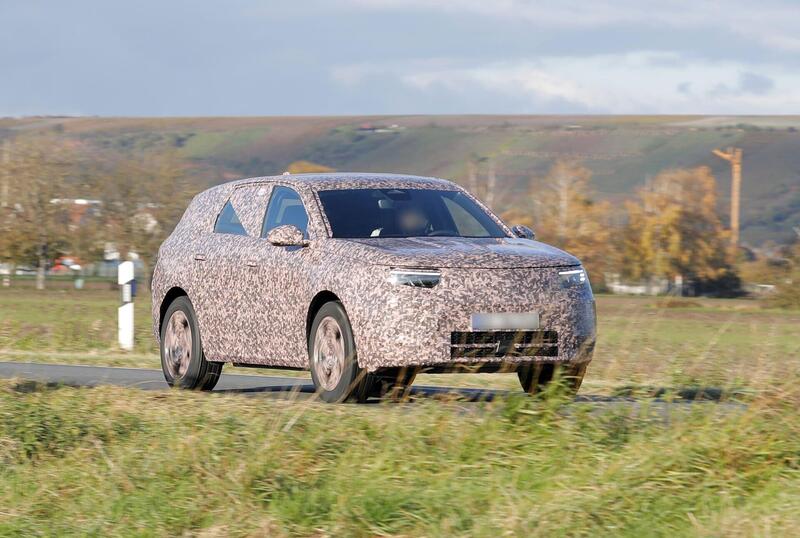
{"x":393,"y":383}
{"x":535,"y":377}
{"x":197,"y":373}
{"x":337,"y":376}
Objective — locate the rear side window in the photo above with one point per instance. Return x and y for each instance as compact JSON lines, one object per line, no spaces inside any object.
{"x":285,"y":207}
{"x":228,"y":222}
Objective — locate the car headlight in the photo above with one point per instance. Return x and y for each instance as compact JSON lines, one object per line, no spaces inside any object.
{"x":572,"y":278}
{"x":418,"y":278}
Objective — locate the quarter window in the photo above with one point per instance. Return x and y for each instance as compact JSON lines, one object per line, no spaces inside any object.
{"x":228,"y":222}
{"x":466,"y":223}
{"x":285,"y":207}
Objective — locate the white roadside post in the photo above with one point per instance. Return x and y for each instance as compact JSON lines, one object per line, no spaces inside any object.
{"x":125,"y":280}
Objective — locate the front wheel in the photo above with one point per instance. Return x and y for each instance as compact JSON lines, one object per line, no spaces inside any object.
{"x":332,"y":357}
{"x":182,"y":359}
{"x":535,"y":377}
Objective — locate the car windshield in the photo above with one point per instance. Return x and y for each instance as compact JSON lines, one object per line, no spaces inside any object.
{"x":363,"y":213}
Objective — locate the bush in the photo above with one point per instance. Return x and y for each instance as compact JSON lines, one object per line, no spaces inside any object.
{"x":788,"y":292}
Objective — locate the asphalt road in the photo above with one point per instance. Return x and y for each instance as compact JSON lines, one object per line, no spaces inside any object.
{"x":140,"y":378}
{"x":145,"y":379}
{"x":252,"y":385}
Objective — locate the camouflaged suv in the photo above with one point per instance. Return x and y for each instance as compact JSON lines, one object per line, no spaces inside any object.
{"x":366,"y":280}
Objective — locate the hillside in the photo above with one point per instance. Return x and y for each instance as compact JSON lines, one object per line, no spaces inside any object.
{"x":621,"y":151}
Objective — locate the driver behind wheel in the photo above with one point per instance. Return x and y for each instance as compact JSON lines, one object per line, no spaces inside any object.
{"x":412,"y":221}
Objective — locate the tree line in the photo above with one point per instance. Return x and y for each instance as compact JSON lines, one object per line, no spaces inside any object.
{"x":131,"y":201}
{"x":668,"y":229}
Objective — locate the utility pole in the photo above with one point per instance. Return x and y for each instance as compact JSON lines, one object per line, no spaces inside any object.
{"x":4,"y":180}
{"x":734,"y":156}
{"x":6,"y":173}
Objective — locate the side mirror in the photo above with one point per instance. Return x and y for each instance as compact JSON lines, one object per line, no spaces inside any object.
{"x":523,"y":232}
{"x":287,"y":235}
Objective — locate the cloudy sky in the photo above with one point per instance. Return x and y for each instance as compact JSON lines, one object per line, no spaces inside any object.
{"x":251,"y":57}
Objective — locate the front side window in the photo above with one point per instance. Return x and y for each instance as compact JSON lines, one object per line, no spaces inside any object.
{"x":228,"y":222}
{"x":285,"y":207}
{"x":363,"y":213}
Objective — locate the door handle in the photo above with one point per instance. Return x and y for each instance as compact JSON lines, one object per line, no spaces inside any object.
{"x":200,"y":257}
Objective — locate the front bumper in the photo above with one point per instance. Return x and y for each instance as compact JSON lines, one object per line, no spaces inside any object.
{"x":409,"y":326}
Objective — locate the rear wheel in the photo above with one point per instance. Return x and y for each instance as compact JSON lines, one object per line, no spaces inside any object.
{"x":332,"y":357}
{"x":535,"y":377}
{"x":182,"y":359}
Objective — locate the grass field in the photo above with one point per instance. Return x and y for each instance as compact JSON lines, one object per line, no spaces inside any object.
{"x":643,"y":343}
{"x":111,"y":461}
{"x":102,"y":462}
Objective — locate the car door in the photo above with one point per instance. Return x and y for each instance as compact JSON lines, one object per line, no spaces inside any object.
{"x":279,"y":285}
{"x":221,"y":266}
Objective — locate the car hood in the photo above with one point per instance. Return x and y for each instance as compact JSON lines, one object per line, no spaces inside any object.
{"x":454,"y":252}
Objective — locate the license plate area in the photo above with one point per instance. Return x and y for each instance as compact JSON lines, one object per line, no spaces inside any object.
{"x":518,"y":321}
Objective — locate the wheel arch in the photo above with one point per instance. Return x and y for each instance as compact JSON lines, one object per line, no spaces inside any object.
{"x":172,"y":294}
{"x":322,"y":297}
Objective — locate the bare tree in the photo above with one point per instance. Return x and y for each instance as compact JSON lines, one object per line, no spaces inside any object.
{"x":563,"y":209}
{"x":472,"y":176}
{"x":37,"y":169}
{"x":491,"y":183}
{"x":143,"y":198}
{"x":568,"y":181}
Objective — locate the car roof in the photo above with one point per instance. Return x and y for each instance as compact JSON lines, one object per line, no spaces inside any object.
{"x":350,"y":180}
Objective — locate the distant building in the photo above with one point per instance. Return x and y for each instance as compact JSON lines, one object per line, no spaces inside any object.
{"x":80,"y":209}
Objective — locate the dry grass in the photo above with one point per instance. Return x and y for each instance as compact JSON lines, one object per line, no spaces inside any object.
{"x":643,"y":343}
{"x":111,"y":461}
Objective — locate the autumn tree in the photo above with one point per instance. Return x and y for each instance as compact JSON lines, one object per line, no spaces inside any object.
{"x":85,"y":239}
{"x":36,"y":215}
{"x":169,"y":191}
{"x":673,"y":228}
{"x":562,"y":209}
{"x":12,"y":245}
{"x":143,"y":197}
{"x":307,"y":167}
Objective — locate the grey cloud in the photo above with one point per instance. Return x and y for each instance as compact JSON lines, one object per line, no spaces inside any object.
{"x":684,"y":88}
{"x":748,"y":84}
{"x":755,"y":84}
{"x":252,"y":57}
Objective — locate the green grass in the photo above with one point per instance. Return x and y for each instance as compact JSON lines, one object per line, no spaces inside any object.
{"x":67,"y":321}
{"x":224,"y":144}
{"x":727,"y":344}
{"x":109,"y":461}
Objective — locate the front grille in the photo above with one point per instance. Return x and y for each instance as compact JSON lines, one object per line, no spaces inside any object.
{"x":482,"y":344}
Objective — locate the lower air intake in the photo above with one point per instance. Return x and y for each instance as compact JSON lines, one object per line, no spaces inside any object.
{"x":488,"y":344}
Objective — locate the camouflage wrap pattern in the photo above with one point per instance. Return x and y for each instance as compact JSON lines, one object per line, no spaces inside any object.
{"x":285,"y":235}
{"x":253,"y":298}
